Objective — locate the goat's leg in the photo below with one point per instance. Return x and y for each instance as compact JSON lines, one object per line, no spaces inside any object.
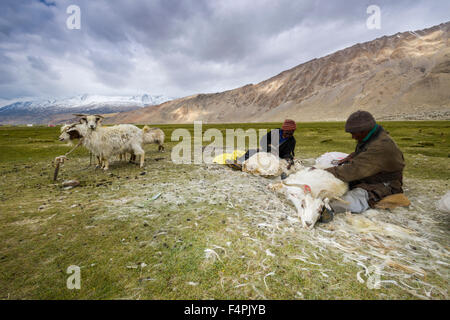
{"x":340,"y":200}
{"x":100,"y":164}
{"x":142,"y":158}
{"x":138,"y":151}
{"x":105,"y":164}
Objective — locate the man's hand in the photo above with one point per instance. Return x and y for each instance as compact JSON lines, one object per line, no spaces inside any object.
{"x":347,"y":159}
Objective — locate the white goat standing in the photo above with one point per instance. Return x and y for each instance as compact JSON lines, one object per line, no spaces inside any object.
{"x":75,"y":131}
{"x":154,"y":135}
{"x":106,"y":142}
{"x":309,"y":190}
{"x":149,"y":136}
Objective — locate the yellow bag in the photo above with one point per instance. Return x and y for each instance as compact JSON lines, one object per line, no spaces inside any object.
{"x":222,"y":158}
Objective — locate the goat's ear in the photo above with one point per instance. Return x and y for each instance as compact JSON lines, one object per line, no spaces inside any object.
{"x":82,"y":116}
{"x":98,"y":118}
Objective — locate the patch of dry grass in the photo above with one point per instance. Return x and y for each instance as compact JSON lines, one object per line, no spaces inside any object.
{"x":212,"y":233}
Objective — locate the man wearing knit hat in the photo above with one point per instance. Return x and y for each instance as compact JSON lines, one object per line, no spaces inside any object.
{"x":280,"y":141}
{"x":373,"y":171}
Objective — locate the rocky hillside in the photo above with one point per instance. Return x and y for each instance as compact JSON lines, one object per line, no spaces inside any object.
{"x":403,"y":76}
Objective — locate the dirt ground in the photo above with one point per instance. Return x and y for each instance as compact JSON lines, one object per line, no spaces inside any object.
{"x":407,"y":248}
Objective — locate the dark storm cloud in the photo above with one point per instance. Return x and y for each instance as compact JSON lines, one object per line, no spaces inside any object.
{"x":38,"y":64}
{"x":180,"y":47}
{"x":7,"y":75}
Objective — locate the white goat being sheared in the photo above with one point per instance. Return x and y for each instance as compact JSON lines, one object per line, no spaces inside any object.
{"x":268,"y":165}
{"x":309,"y":190}
{"x":106,"y":142}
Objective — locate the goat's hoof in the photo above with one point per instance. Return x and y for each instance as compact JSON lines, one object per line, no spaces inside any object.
{"x":326,"y":216}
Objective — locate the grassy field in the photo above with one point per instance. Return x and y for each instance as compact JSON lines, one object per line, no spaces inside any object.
{"x":212,"y":233}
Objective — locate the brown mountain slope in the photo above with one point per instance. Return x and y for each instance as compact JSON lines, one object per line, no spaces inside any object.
{"x":395,"y":77}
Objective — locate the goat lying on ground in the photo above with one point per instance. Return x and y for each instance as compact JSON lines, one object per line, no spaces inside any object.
{"x":268,"y":165}
{"x":106,"y":142}
{"x":329,"y":159}
{"x":309,"y":190}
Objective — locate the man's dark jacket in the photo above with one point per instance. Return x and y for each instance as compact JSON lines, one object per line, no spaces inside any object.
{"x":285,"y":149}
{"x":376,"y":166}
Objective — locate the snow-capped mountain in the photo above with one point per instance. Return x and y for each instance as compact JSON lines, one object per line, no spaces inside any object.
{"x":43,"y":110}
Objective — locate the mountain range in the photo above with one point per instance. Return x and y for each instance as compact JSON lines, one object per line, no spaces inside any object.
{"x":52,"y":110}
{"x":405,"y":76}
{"x":402,"y":76}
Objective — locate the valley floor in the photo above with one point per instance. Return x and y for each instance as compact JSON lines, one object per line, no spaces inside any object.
{"x":171,"y":231}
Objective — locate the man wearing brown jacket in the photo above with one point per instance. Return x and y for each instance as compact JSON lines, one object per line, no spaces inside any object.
{"x":374,"y":170}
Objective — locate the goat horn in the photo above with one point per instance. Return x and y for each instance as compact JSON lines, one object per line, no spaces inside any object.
{"x":305,"y":187}
{"x":341,"y":200}
{"x":79,"y":114}
{"x":293,"y":184}
{"x":321,"y":193}
{"x":100,"y":116}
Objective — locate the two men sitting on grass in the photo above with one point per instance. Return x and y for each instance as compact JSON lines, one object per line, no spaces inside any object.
{"x":373,"y":172}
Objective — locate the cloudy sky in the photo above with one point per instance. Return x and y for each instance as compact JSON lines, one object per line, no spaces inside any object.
{"x":181,"y":47}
